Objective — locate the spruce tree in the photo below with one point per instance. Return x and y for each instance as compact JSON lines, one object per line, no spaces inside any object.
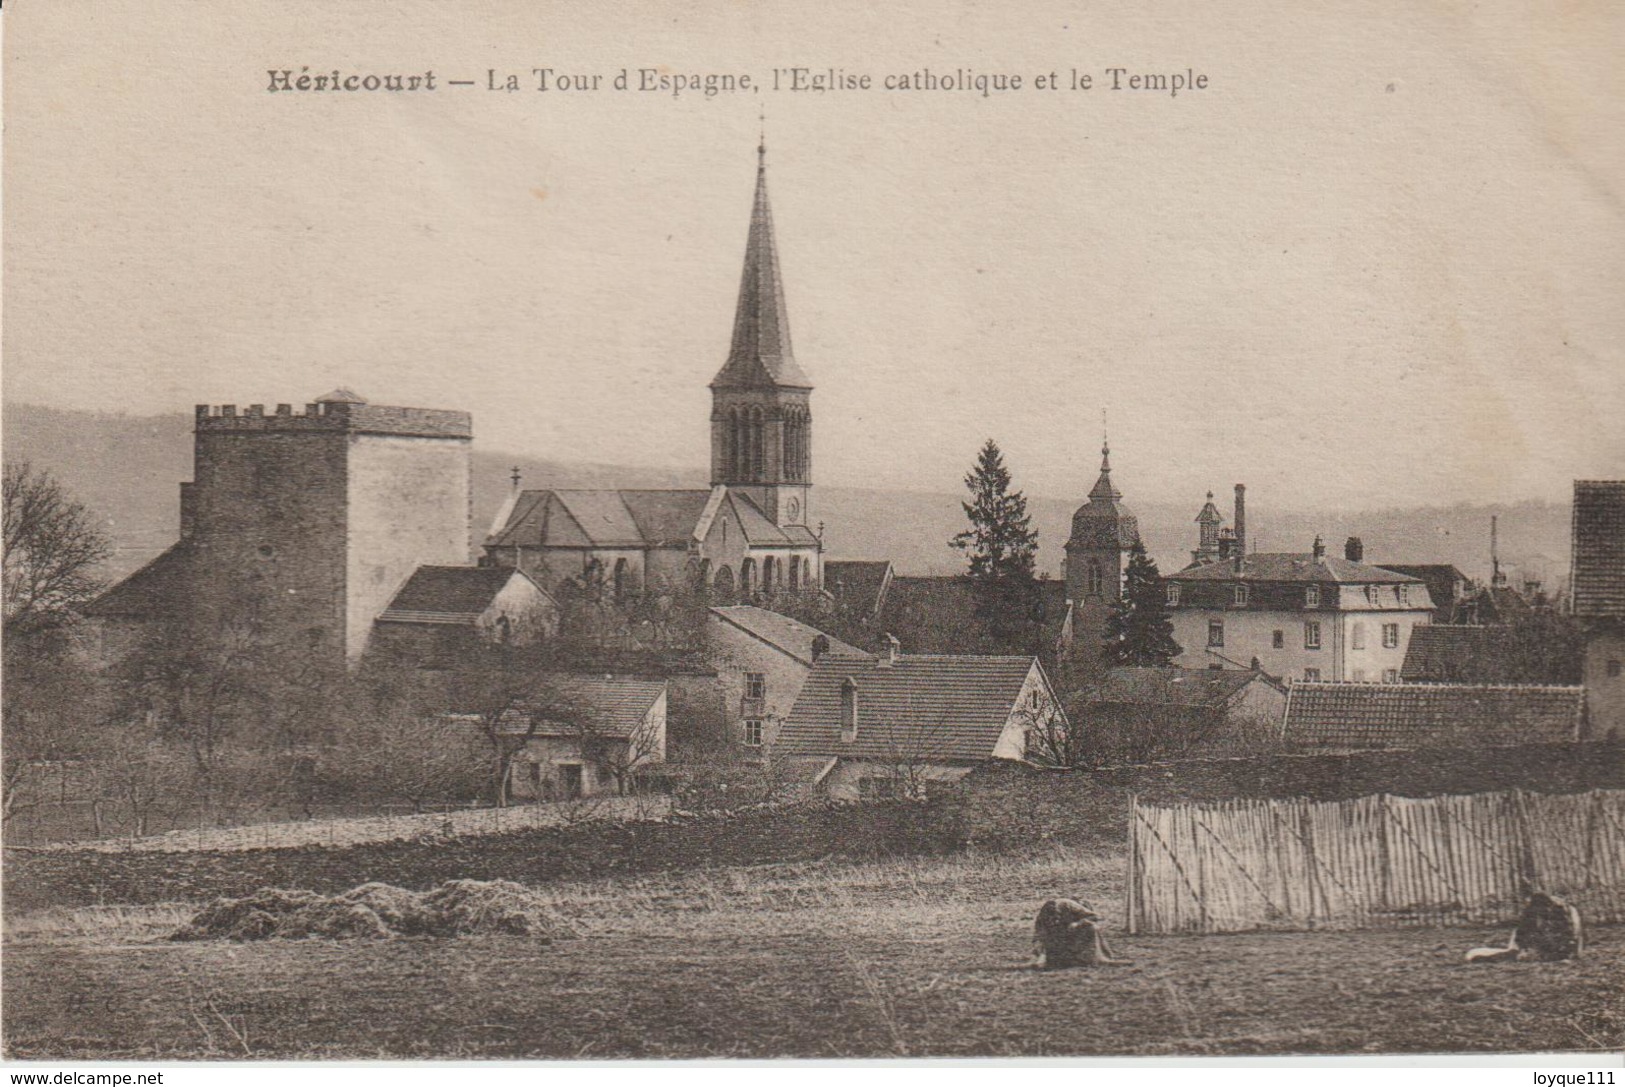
{"x":1001,"y":542}
{"x":1139,"y":630}
{"x":1002,"y":547}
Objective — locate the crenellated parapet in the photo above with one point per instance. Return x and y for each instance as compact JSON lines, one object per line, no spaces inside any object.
{"x":335,"y":416}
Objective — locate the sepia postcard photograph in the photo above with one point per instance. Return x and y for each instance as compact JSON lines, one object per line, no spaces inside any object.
{"x":745,"y":531}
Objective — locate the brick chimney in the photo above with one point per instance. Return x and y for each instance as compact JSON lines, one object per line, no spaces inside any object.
{"x":894,"y":649}
{"x":1354,"y":549}
{"x":1240,"y":546}
{"x":1320,"y":549}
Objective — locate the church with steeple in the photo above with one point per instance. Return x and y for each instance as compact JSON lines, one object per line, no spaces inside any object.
{"x":745,"y":536}
{"x":1103,"y":534}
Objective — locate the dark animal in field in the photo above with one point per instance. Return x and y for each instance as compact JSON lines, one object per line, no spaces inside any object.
{"x":1067,"y":933}
{"x":1549,"y":930}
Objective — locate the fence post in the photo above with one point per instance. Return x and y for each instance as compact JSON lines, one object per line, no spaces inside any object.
{"x":1132,"y":921}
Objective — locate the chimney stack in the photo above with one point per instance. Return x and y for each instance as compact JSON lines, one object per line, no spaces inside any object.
{"x":1320,"y":549}
{"x":1354,"y":549}
{"x":1240,"y":546}
{"x":894,"y":649}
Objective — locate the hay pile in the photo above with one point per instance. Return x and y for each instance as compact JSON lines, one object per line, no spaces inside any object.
{"x":461,"y":907}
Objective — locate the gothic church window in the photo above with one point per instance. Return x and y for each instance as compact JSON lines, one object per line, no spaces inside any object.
{"x":1096,"y":580}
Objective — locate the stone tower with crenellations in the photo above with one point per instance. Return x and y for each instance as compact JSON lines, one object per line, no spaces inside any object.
{"x":305,"y":524}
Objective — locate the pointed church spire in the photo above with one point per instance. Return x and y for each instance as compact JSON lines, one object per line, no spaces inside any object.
{"x":1103,"y":489}
{"x":760,"y":353}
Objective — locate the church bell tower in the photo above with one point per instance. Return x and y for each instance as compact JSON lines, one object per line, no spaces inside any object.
{"x":761,"y":418}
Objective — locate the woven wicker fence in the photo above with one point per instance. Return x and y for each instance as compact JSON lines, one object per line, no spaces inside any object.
{"x":1373,"y":861}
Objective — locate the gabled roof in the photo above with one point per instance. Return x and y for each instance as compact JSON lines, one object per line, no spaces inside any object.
{"x":1293,"y":567}
{"x":666,"y":518}
{"x":450,"y":594}
{"x":939,"y":614}
{"x":152,"y":591}
{"x":601,"y":518}
{"x":1357,"y":715}
{"x":760,"y":353}
{"x":790,"y":636}
{"x":1598,"y":581}
{"x":858,"y":586}
{"x":1175,"y":686}
{"x":633,"y":519}
{"x":607,"y":705}
{"x":920,"y":709}
{"x":1442,"y":652}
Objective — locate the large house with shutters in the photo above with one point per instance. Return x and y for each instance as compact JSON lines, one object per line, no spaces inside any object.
{"x":1294,"y":616}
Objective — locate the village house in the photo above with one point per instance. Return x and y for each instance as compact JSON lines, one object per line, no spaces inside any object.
{"x":442,"y":611}
{"x":1305,"y":616}
{"x":1598,"y":585}
{"x":761,"y":660}
{"x":594,"y":735}
{"x":1212,"y":701}
{"x":888,"y":725}
{"x":1356,"y":716}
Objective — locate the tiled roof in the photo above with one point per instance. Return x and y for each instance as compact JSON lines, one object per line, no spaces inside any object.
{"x":1173,"y":686}
{"x":939,"y":614}
{"x":1361,"y":715}
{"x":151,"y":591}
{"x":629,"y":519}
{"x":448,"y":594}
{"x":920,"y":709}
{"x":1442,"y":652}
{"x":1598,"y":581}
{"x":1294,"y":568}
{"x":666,"y":518}
{"x":790,"y":635}
{"x":609,"y":705}
{"x":858,"y":586}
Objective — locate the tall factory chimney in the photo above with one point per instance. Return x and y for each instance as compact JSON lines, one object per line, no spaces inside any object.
{"x":1241,"y":524}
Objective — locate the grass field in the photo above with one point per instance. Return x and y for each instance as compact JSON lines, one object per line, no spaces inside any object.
{"x":918,"y":958}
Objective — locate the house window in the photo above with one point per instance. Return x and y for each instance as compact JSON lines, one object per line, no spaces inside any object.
{"x":1390,"y":675}
{"x":1096,"y":578}
{"x":1278,"y":639}
{"x":1358,"y":633}
{"x":1390,"y":635}
{"x":849,"y":710}
{"x":1173,"y":596}
{"x":1404,"y":592}
{"x":1371,"y":592}
{"x":1311,"y":635}
{"x":1359,"y":675}
{"x":1311,"y":597}
{"x":755,"y":685}
{"x":753,"y":734}
{"x":1215,"y":632}
{"x":1241,"y":596}
{"x":1311,"y":675}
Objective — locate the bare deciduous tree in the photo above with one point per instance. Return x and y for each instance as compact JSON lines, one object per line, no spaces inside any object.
{"x":52,"y":549}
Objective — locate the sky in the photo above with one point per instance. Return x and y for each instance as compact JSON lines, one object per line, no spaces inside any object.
{"x":1377,"y":261}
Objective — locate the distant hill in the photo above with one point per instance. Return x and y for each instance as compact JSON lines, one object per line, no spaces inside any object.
{"x":126,"y":469}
